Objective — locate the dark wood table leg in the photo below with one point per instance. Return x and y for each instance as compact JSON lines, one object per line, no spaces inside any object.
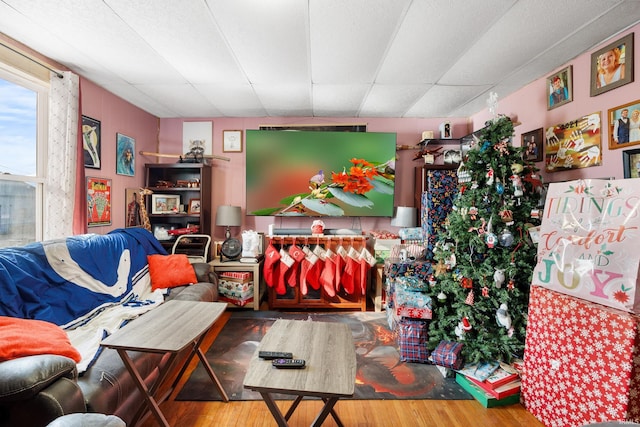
{"x":293,"y":407}
{"x":151,"y":402}
{"x":326,"y":410}
{"x":212,"y":375}
{"x":273,"y":408}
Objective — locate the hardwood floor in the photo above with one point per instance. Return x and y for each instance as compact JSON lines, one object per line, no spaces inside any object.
{"x":353,"y":413}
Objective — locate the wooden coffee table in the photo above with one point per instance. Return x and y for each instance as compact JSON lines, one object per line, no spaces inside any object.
{"x":330,"y":370}
{"x":169,"y":328}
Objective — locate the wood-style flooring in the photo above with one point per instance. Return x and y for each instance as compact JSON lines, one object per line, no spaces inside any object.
{"x":353,"y":413}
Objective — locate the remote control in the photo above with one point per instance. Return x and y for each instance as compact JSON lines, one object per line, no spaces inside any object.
{"x":270,"y":355}
{"x":288,"y":363}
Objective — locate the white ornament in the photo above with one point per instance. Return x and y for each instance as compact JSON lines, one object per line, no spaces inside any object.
{"x":502,"y":316}
{"x":498,"y":277}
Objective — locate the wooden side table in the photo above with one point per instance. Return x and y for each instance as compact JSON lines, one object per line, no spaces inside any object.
{"x":259,"y":286}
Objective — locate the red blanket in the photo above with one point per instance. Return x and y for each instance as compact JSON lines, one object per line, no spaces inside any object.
{"x":24,"y":337}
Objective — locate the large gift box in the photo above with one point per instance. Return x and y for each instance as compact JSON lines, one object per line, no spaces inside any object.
{"x":412,"y":337}
{"x":588,"y":241}
{"x":581,"y":361}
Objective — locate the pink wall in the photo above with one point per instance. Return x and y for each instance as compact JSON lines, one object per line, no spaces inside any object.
{"x":229,"y":177}
{"x":530,"y":106}
{"x":118,"y":116}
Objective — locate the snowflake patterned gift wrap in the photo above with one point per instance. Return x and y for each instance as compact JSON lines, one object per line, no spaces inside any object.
{"x":588,"y":241}
{"x":581,"y":361}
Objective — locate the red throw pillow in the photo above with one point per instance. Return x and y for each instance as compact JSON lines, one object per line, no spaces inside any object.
{"x":169,"y":271}
{"x":27,"y":337}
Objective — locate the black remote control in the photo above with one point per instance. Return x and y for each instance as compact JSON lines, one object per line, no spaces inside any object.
{"x":288,"y":363}
{"x":270,"y":355}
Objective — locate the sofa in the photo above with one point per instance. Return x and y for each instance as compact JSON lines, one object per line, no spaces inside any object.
{"x":69,"y":285}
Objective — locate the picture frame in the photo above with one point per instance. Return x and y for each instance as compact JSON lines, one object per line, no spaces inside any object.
{"x":564,"y":152}
{"x":619,"y":137}
{"x":532,"y":144}
{"x":125,"y":155}
{"x":194,"y":206}
{"x":452,"y":157}
{"x":232,"y":141}
{"x":560,"y":88}
{"x":131,"y":208}
{"x":197,"y":135}
{"x":91,"y":146}
{"x":98,"y":201}
{"x":165,"y":204}
{"x":620,"y":53}
{"x":631,"y":163}
{"x":161,"y":231}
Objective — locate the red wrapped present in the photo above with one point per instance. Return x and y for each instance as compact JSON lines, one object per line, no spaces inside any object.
{"x":581,"y":361}
{"x":448,"y":354}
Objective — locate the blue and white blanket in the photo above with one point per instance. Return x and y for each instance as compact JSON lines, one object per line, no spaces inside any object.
{"x":88,"y":284}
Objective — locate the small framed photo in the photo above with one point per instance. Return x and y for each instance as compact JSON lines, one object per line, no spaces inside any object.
{"x":612,"y":66}
{"x":532,"y":144}
{"x":560,"y":88}
{"x":624,"y":125}
{"x":126,"y":155}
{"x":132,"y":208}
{"x":98,"y":201}
{"x":91,"y":134}
{"x":194,"y":206}
{"x":165,"y":203}
{"x":631,"y":163}
{"x":232,"y":141}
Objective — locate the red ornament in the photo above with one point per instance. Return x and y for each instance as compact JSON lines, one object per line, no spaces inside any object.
{"x":511,"y":285}
{"x":485,"y":291}
{"x":466,"y":283}
{"x":465,"y":324}
{"x":470,"y":298}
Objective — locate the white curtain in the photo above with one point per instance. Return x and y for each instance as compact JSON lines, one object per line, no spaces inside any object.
{"x":59,"y":193}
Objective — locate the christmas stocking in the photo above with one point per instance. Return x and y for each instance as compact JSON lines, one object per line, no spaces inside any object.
{"x":298,"y":255}
{"x":285,"y":263}
{"x":307,"y":268}
{"x":351,"y":274}
{"x":314,"y":274}
{"x":339,"y":261}
{"x":270,"y":267}
{"x":366,"y":262}
{"x":328,"y":274}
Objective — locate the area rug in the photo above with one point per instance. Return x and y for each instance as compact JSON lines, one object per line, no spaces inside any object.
{"x":380,"y":373}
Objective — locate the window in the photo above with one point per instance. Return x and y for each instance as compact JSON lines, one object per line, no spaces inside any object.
{"x":23,"y":112}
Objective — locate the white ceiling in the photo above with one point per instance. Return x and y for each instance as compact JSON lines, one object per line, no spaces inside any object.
{"x":331,"y":58}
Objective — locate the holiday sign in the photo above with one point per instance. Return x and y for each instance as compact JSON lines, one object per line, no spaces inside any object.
{"x":588,"y":241}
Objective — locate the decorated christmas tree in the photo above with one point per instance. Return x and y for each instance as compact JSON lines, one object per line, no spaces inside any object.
{"x":486,"y":257}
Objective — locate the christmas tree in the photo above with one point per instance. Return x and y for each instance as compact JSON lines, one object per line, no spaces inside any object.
{"x":486,"y":257}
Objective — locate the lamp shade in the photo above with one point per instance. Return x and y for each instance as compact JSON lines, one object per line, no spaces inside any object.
{"x":405,"y":217}
{"x":229,"y":216}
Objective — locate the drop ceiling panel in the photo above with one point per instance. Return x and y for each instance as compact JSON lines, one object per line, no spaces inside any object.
{"x":440,"y":100}
{"x":433,"y":35}
{"x":391,"y":100}
{"x":185,"y":35}
{"x":184,"y":99}
{"x":349,"y":39}
{"x":141,"y":100}
{"x":233,"y":99}
{"x":338,"y":100}
{"x":269,"y":41}
{"x":285,"y":99}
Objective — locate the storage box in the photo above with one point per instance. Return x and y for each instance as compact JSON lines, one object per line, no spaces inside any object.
{"x":581,"y":361}
{"x":235,"y":289}
{"x":382,"y":248}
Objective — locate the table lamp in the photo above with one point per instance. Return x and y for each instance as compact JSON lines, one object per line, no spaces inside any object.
{"x":405,"y":217}
{"x":229,"y":216}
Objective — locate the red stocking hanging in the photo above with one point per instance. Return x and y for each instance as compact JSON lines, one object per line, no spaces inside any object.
{"x":270,"y":267}
{"x":285,"y":263}
{"x":298,"y":255}
{"x":307,"y":266}
{"x":327,"y":277}
{"x":340,"y":261}
{"x":313,"y":277}
{"x":351,"y":274}
{"x":366,"y":262}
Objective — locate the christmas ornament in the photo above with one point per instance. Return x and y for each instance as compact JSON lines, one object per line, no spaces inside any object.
{"x":463,"y":173}
{"x":441,"y":296}
{"x":473,"y":213}
{"x":502,"y":316}
{"x":506,"y":239}
{"x":432,"y":280}
{"x":490,"y":238}
{"x":466,"y":282}
{"x":499,"y":187}
{"x":516,"y":181}
{"x":470,"y":298}
{"x":459,"y":330}
{"x":498,"y":277}
{"x":516,"y":168}
{"x":441,"y":268}
{"x":490,"y":176}
{"x":466,"y":325}
{"x":485,"y":292}
{"x":511,"y":285}
{"x":506,"y":215}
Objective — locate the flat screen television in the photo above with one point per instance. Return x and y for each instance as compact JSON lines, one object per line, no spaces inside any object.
{"x":317,"y":173}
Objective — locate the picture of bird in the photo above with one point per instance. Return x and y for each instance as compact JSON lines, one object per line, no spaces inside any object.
{"x":318,"y":179}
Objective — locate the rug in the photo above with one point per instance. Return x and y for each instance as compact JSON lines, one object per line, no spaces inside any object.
{"x":380,"y":372}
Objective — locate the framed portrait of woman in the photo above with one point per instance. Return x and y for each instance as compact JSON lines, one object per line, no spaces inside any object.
{"x":612,"y":66}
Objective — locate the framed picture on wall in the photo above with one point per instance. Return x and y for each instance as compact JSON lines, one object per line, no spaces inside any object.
{"x":565,"y":151}
{"x":98,"y":201}
{"x":631,"y":163}
{"x":560,"y":88}
{"x":624,"y":125}
{"x":91,"y":142}
{"x":532,"y":143}
{"x":232,"y":141}
{"x":125,"y":155}
{"x":612,"y":66}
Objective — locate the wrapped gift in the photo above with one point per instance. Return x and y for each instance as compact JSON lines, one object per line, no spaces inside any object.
{"x":394,"y":268}
{"x":411,"y":284}
{"x":412,"y":304}
{"x":243,"y":292}
{"x":237,"y":276}
{"x":448,"y":354}
{"x":413,"y":233}
{"x":436,"y":203}
{"x":588,"y":241}
{"x":236,"y":301}
{"x":412,"y":336}
{"x":581,"y":361}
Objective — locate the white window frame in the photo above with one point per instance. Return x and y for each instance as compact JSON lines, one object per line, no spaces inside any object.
{"x":41,"y":88}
